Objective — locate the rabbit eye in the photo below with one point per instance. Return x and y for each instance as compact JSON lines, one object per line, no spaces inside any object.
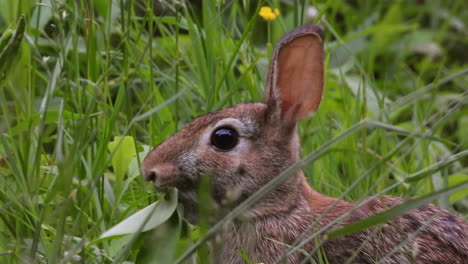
{"x":224,"y":138}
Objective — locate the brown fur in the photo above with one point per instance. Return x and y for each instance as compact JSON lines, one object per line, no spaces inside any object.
{"x":268,"y":145}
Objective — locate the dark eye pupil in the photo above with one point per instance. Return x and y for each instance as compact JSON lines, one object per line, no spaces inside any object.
{"x":225,"y":138}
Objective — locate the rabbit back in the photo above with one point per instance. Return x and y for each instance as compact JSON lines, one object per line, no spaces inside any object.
{"x":427,"y":234}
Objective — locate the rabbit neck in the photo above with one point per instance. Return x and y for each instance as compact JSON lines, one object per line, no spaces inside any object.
{"x":261,"y":234}
{"x":282,"y":200}
{"x":280,"y":218}
{"x":321,"y":205}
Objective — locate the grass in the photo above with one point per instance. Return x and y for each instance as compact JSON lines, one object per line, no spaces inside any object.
{"x":94,"y":84}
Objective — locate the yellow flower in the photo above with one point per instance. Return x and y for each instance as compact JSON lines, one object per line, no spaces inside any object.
{"x":268,"y":14}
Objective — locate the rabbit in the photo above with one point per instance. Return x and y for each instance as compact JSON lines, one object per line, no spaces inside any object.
{"x":243,"y":147}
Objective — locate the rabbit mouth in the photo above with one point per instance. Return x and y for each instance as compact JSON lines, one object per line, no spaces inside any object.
{"x":161,"y":189}
{"x":186,"y":196}
{"x":163,"y":186}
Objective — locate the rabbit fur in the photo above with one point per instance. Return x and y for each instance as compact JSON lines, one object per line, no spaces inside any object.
{"x":268,"y":144}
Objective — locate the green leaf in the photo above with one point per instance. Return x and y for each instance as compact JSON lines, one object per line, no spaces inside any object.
{"x":462,"y":130}
{"x":159,"y":244}
{"x":12,"y":46}
{"x":116,"y":245}
{"x":34,"y":120}
{"x":108,"y":8}
{"x":41,"y":15}
{"x":123,"y":149}
{"x":396,"y":211}
{"x":134,"y":168}
{"x":454,"y":180}
{"x":392,"y":23}
{"x":6,"y":37}
{"x":373,"y":97}
{"x":146,"y":219}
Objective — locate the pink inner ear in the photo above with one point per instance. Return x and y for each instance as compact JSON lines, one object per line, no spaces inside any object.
{"x":300,"y":76}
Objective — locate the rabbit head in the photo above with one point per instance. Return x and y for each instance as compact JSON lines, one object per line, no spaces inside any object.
{"x":243,"y":147}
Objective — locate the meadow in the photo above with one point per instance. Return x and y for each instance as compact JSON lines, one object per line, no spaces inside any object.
{"x":87,"y":88}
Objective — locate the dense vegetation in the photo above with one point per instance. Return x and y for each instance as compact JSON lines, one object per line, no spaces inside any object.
{"x":93,"y":84}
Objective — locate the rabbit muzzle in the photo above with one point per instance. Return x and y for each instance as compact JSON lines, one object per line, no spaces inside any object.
{"x":166,"y":175}
{"x":163,"y":176}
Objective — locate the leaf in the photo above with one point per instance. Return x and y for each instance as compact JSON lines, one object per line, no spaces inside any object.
{"x":108,"y":8}
{"x":394,"y":212}
{"x":392,"y":23}
{"x":34,"y":120}
{"x":123,"y":149}
{"x":373,"y":97}
{"x":147,"y":218}
{"x":11,"y":47}
{"x":5,"y":38}
{"x":454,"y":180}
{"x":133,"y":171}
{"x":134,"y":168}
{"x":42,"y":14}
{"x":116,"y":245}
{"x":159,"y":245}
{"x":342,"y":54}
{"x":462,"y":130}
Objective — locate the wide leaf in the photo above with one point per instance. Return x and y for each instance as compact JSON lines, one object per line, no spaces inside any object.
{"x":147,"y":218}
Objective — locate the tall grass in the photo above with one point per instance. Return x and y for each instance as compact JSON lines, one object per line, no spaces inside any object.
{"x":94,"y":84}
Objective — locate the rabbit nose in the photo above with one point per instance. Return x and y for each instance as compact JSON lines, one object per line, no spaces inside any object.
{"x":150,"y":174}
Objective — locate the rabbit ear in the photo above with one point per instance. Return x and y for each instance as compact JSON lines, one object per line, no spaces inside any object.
{"x":295,"y":77}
